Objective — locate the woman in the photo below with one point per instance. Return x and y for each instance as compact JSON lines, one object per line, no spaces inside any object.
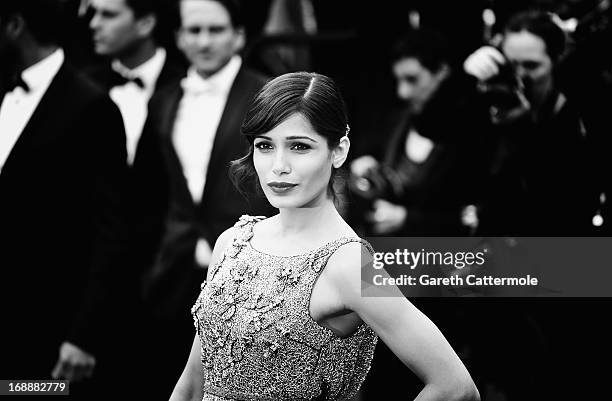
{"x":281,"y":316}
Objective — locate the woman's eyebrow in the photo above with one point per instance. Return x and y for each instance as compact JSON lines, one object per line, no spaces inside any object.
{"x":301,"y":137}
{"x":289,"y":138}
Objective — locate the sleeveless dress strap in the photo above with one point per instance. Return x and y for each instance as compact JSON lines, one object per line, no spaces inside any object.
{"x":243,"y":233}
{"x":321,"y":255}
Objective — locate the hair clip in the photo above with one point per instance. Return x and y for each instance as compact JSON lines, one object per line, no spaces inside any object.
{"x":348,"y":129}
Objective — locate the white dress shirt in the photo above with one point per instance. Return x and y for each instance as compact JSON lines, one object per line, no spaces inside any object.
{"x":417,"y":147}
{"x":197,"y":120}
{"x":18,"y":105}
{"x":133,"y":100}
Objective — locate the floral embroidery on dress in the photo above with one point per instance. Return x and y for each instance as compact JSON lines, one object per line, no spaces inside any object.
{"x":289,"y":275}
{"x":257,"y":338}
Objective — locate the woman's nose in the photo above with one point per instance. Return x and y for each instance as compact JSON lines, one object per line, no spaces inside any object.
{"x":281,"y":164}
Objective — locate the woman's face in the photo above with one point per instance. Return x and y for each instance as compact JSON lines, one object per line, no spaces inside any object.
{"x":293,"y":164}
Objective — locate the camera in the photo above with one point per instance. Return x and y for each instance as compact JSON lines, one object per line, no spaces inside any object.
{"x":505,"y":94}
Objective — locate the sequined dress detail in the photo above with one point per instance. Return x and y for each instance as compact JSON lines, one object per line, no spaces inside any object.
{"x":258,"y":340}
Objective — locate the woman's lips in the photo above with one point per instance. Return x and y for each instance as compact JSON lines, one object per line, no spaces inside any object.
{"x":281,"y":187}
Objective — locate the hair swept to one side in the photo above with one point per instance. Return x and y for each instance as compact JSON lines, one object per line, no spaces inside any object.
{"x":314,"y":96}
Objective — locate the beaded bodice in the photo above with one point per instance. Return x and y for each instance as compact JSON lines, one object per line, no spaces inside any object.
{"x":258,"y":340}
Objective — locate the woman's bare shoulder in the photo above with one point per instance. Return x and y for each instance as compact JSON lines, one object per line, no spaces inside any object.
{"x":225,"y":237}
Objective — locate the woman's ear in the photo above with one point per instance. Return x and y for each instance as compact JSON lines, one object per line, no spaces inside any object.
{"x":340,"y":152}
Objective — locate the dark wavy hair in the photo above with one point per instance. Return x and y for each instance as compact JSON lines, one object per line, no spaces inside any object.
{"x":541,"y":24}
{"x":314,"y":96}
{"x":167,"y":17}
{"x":430,"y":48}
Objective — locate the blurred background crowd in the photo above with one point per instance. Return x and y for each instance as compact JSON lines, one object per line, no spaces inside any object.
{"x":482,"y":118}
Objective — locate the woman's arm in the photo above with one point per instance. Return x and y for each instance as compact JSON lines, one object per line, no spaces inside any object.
{"x":189,"y":385}
{"x":407,"y":332}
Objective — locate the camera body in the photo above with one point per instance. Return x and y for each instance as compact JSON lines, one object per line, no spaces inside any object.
{"x":505,"y":94}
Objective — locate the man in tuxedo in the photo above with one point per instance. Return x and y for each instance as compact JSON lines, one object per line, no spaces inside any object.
{"x":198,"y":123}
{"x":129,"y":33}
{"x":62,"y":169}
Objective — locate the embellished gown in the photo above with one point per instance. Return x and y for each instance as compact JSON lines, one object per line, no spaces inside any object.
{"x":258,"y":340}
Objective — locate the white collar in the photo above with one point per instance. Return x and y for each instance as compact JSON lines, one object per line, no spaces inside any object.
{"x":221,"y":82}
{"x":41,"y":74}
{"x":148,"y":71}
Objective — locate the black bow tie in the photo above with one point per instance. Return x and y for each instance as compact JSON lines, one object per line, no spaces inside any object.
{"x":119,"y":80}
{"x":14,"y":83}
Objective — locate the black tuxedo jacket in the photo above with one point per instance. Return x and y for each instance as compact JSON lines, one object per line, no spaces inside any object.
{"x":147,"y":194}
{"x":61,"y":227}
{"x":170,"y":284}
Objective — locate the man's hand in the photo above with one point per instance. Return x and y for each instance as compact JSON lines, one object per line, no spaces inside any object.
{"x":484,"y":63}
{"x":73,"y":364}
{"x":386,"y":217}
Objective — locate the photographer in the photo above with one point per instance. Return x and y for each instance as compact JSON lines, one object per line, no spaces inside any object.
{"x":541,"y":168}
{"x":428,"y":171}
{"x":544,"y":183}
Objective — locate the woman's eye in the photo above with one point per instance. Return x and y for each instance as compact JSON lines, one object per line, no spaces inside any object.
{"x":263,"y":146}
{"x":300,"y":146}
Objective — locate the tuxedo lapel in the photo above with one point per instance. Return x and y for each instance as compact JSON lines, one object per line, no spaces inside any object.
{"x":167,"y":112}
{"x":45,"y":123}
{"x":167,"y":118}
{"x":163,"y":112}
{"x":169,"y":74}
{"x":103,"y":75}
{"x":228,"y":131}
